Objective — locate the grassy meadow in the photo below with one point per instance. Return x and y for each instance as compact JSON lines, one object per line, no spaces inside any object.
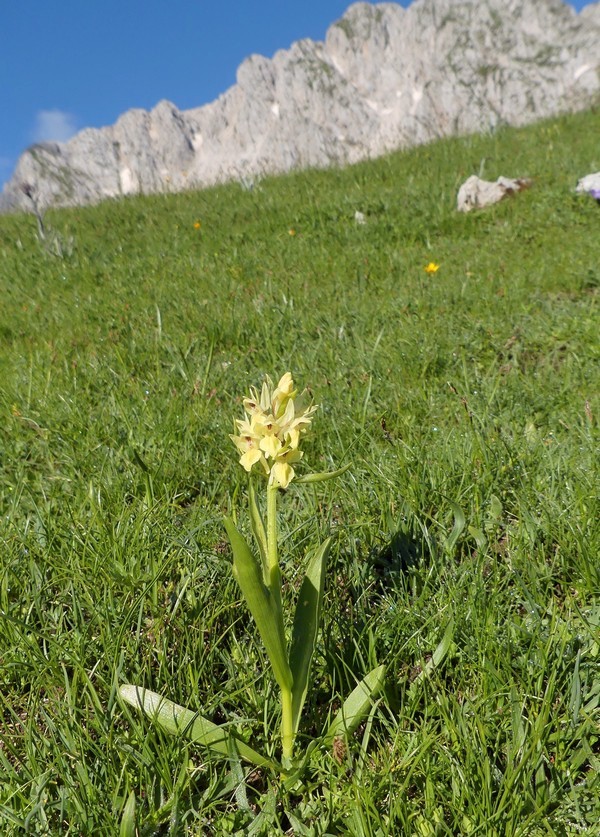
{"x":465,"y":533}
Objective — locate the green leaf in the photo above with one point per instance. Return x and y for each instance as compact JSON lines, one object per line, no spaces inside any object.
{"x":519,"y":734}
{"x":258,"y":529}
{"x":494,"y":514}
{"x":478,"y":535}
{"x":306,"y":626}
{"x":263,"y":606}
{"x":178,"y":720}
{"x":575,"y":698}
{"x":293,"y":777}
{"x":265,"y":821}
{"x":127,"y":828}
{"x":459,"y":525}
{"x":323,"y":475}
{"x":357,"y":705}
{"x":444,"y":646}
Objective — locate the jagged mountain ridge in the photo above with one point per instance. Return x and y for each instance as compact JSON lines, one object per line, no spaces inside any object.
{"x":385,"y":77}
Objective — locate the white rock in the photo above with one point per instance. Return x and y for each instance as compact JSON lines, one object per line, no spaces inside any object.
{"x":589,"y":182}
{"x":476,"y":193}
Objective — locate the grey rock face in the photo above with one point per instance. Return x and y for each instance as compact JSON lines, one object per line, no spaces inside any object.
{"x":385,"y":77}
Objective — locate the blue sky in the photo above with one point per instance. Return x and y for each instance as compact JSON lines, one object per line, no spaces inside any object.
{"x":71,"y":64}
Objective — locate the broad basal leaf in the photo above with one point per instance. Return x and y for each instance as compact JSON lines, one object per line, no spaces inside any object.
{"x":178,"y":720}
{"x":262,"y":604}
{"x":306,"y":626}
{"x":357,"y":705}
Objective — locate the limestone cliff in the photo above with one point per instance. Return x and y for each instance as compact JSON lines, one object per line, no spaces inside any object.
{"x":385,"y":77}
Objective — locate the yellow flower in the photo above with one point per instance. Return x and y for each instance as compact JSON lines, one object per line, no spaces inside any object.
{"x":291,"y":231}
{"x":269,"y":435}
{"x":197,"y":225}
{"x":432,"y":267}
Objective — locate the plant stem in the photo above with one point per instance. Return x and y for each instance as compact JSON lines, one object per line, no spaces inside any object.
{"x":287,"y":726}
{"x":274,"y":574}
{"x":272,"y":557}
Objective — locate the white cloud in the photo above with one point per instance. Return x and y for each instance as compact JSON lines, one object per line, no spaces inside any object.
{"x":53,"y":126}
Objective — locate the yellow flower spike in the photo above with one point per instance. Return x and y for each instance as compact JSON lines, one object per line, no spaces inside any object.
{"x":271,"y":434}
{"x":432,"y":267}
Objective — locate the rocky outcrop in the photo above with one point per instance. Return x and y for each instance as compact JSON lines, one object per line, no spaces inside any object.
{"x":476,"y":193}
{"x":385,"y":77}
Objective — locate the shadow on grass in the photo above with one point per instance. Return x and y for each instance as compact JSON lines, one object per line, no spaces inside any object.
{"x":402,"y":553}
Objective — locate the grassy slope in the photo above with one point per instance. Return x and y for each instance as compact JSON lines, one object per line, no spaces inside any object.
{"x":472,"y":392}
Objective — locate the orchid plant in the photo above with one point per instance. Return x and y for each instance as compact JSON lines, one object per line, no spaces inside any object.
{"x":269,"y":440}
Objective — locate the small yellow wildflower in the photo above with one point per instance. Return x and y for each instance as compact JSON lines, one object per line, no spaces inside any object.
{"x":291,"y":231}
{"x":197,"y":225}
{"x":270,"y":434}
{"x":432,"y":267}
